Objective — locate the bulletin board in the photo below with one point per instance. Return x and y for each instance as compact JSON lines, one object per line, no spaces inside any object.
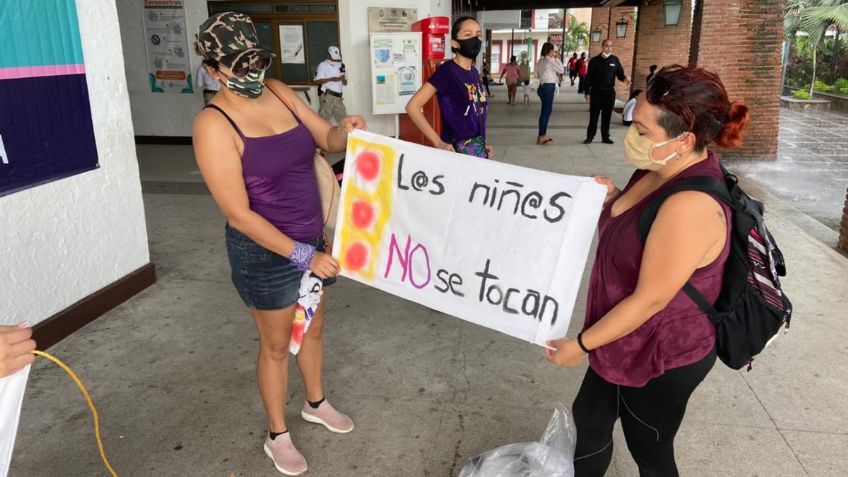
{"x":395,"y":70}
{"x":318,"y":36}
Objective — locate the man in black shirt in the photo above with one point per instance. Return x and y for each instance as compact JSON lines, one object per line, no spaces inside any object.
{"x":600,"y":91}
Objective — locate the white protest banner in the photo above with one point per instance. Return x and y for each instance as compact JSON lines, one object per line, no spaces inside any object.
{"x":11,"y":398}
{"x":498,"y":245}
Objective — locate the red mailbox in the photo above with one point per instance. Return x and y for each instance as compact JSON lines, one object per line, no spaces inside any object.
{"x":433,"y":32}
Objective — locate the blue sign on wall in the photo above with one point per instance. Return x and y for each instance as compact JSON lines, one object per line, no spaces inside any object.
{"x":46,"y":132}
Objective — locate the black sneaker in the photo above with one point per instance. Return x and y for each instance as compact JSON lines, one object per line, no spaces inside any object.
{"x":587,"y":141}
{"x":607,"y":141}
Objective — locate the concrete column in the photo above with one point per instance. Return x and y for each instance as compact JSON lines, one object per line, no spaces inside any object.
{"x":657,"y":44}
{"x":843,"y":232}
{"x":741,"y":41}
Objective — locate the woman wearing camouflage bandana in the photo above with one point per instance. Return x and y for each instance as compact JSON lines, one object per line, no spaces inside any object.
{"x":254,"y":145}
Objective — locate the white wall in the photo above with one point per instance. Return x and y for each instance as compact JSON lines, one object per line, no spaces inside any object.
{"x":353,"y":26}
{"x":157,"y":114}
{"x":62,"y":241}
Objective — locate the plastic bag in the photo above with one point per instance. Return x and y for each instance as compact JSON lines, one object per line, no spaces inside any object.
{"x":552,"y":456}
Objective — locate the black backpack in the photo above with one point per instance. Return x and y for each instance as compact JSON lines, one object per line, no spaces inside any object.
{"x":751,"y":307}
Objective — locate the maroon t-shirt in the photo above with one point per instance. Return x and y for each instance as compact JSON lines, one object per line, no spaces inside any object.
{"x":678,"y":335}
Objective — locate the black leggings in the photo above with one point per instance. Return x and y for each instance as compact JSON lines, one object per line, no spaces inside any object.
{"x":650,"y":417}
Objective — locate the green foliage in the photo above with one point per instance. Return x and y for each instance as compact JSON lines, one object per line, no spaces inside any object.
{"x":801,"y":94}
{"x":832,"y":59}
{"x":577,"y":34}
{"x":814,"y":18}
{"x":823,"y":87}
{"x":841,"y":85}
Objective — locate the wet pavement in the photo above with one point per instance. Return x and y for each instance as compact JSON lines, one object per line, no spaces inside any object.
{"x":811,"y":170}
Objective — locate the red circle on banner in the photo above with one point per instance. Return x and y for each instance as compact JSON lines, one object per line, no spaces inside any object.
{"x":362,"y":214}
{"x":356,"y":256}
{"x":368,"y":165}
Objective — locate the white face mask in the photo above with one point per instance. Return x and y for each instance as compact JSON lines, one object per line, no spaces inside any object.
{"x":639,"y":150}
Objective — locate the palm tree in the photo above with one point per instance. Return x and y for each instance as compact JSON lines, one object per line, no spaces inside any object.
{"x":577,"y":32}
{"x":816,"y":17}
{"x":792,"y":10}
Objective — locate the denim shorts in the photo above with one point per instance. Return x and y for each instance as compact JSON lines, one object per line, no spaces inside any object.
{"x":263,"y":279}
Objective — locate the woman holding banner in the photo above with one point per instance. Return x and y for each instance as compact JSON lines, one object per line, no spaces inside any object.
{"x":457,"y":86}
{"x":649,"y":344}
{"x":255,"y":145}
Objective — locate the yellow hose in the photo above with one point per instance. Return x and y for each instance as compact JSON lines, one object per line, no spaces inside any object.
{"x":68,"y":370}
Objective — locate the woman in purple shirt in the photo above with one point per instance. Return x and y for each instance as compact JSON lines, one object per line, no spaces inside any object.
{"x":649,"y":344}
{"x":462,"y":102}
{"x":255,"y":145}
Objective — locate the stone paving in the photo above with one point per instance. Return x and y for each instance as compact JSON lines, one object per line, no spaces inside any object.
{"x":811,"y":170}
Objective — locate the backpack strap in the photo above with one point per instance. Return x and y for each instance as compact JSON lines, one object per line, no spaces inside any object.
{"x":709,"y":185}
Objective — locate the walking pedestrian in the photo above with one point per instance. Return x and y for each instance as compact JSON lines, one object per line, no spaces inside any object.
{"x":572,"y":67}
{"x":649,"y":345}
{"x":255,"y":145}
{"x":487,"y":79}
{"x":600,"y":91}
{"x":547,"y":69}
{"x":582,"y":71}
{"x":459,"y":91}
{"x":513,"y":74}
{"x":524,"y":67}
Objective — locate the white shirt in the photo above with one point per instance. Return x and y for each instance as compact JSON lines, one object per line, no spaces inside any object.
{"x":627,"y":115}
{"x":330,"y":69}
{"x":205,"y":81}
{"x":547,"y":70}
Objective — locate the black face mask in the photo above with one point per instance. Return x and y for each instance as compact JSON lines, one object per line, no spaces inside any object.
{"x":470,"y":47}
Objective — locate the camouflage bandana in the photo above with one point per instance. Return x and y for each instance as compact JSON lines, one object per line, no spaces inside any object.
{"x":248,"y":87}
{"x":230,"y":39}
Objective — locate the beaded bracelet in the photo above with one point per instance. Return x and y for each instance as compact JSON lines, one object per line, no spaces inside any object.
{"x":301,"y":255}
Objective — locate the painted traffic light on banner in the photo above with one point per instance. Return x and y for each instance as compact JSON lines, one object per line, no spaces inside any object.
{"x":46,"y":131}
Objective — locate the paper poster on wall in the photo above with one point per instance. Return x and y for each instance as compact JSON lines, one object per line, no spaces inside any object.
{"x":292,"y":45}
{"x":390,"y":19}
{"x":498,"y":245}
{"x":167,"y":48}
{"x":385,"y":89}
{"x":395,"y":70}
{"x":407,"y":81}
{"x":43,"y":80}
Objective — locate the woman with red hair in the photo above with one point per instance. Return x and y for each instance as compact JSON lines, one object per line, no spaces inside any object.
{"x":649,"y":344}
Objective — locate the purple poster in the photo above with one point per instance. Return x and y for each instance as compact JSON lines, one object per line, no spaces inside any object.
{"x":46,"y":132}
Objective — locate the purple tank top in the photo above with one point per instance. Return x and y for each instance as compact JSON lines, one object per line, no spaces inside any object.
{"x":279,"y":176}
{"x":678,"y":335}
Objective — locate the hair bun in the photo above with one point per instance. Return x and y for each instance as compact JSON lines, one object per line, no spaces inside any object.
{"x":733,"y":130}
